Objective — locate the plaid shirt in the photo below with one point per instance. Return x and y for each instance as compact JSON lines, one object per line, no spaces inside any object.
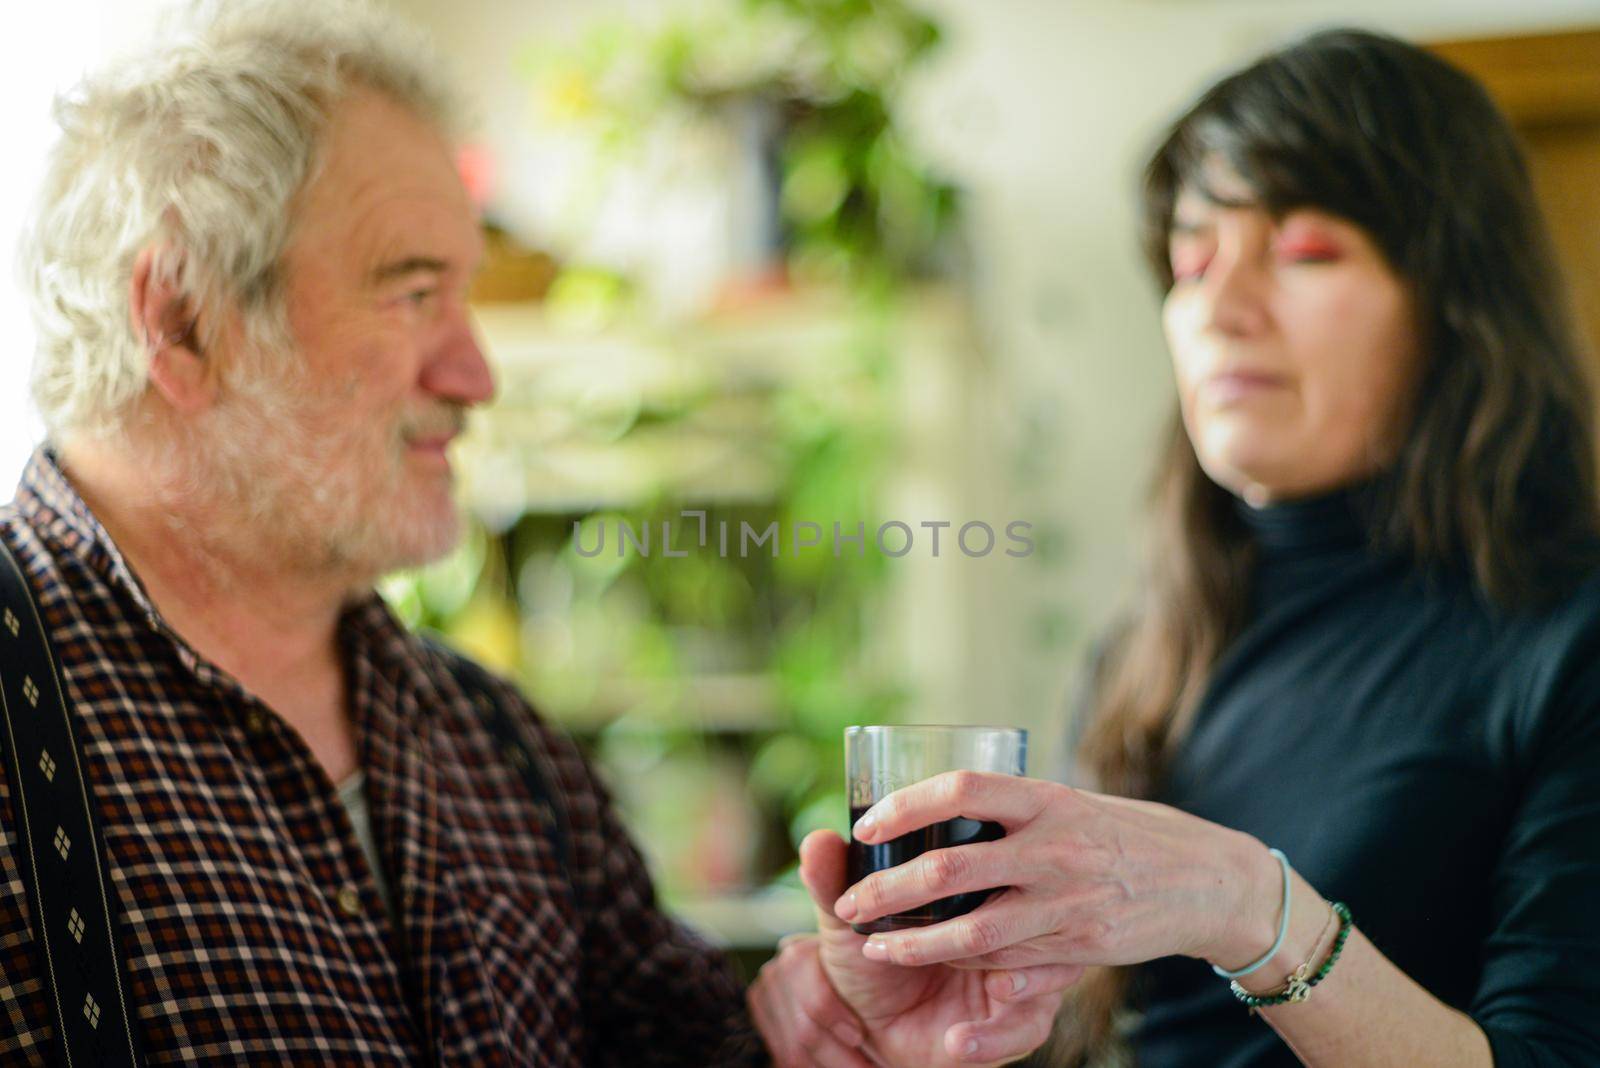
{"x":253,"y":927}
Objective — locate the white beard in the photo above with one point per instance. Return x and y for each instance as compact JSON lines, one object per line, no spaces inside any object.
{"x":279,"y":471}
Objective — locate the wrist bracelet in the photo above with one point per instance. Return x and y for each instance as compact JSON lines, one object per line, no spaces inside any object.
{"x":1300,"y":973}
{"x":1298,"y":986}
{"x":1316,"y":947}
{"x":1283,"y":926}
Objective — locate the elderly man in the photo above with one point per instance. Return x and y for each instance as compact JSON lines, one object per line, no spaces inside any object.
{"x":249,"y":265}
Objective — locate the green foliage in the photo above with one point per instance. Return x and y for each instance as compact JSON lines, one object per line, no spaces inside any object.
{"x":856,"y":202}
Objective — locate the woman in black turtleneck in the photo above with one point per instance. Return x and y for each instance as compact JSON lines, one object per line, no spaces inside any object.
{"x":1370,"y":637}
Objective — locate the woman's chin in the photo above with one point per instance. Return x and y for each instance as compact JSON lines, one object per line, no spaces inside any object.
{"x":1254,"y":478}
{"x":1261,"y":488}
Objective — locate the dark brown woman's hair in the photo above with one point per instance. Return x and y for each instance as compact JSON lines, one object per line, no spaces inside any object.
{"x":1496,"y":478}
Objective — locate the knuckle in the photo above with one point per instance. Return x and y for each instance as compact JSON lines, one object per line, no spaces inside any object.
{"x":906,"y":952}
{"x":1010,"y":957}
{"x":1064,"y":852}
{"x":1056,"y":795}
{"x":806,"y":1030}
{"x":1001,"y":987}
{"x":982,"y":935}
{"x":815,"y":1002}
{"x":965,"y":786}
{"x":946,"y":867}
{"x":1091,"y":934}
{"x":869,"y":895}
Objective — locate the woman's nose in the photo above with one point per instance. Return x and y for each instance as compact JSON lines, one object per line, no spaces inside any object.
{"x":1233,"y":290}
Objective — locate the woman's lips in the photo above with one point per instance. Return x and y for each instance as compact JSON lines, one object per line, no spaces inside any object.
{"x":1229,"y":386}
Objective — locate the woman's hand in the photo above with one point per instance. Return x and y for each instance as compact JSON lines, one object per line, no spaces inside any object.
{"x":1089,"y":879}
{"x":799,"y":1015}
{"x":927,"y":1017}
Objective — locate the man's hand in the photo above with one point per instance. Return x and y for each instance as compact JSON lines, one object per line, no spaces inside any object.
{"x":933,"y":1015}
{"x":800,"y":1017}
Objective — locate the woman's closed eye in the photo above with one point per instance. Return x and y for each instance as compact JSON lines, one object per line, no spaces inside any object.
{"x":1305,"y":238}
{"x":1307,"y":252}
{"x":1189,"y":263}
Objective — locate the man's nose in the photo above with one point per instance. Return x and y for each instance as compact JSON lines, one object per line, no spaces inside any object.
{"x":457,"y":370}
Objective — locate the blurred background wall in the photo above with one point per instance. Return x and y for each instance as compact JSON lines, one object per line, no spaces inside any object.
{"x":686,"y":313}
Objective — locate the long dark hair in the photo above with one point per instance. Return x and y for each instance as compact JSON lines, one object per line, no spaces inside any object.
{"x":1496,"y":479}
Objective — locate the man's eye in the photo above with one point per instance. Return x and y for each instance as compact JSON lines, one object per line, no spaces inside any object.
{"x":418,"y":297}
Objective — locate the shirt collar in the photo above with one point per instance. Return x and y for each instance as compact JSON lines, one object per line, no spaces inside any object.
{"x":48,"y":502}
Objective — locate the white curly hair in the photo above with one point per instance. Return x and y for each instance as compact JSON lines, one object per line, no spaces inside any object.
{"x":196,"y":148}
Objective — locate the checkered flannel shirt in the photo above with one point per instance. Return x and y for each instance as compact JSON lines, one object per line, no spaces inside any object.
{"x":253,"y":929}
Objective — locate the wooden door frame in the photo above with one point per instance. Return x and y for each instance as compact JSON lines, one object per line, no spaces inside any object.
{"x":1537,"y":79}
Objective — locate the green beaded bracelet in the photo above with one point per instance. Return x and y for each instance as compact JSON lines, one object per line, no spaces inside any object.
{"x":1299,"y":987}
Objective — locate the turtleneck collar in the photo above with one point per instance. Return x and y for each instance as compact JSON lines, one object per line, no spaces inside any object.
{"x":1313,"y":526}
{"x":1307,"y":545}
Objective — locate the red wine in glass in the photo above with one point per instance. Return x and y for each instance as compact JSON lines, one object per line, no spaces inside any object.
{"x":865,"y":859}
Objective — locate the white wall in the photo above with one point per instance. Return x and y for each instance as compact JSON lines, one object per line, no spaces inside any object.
{"x":45,"y":49}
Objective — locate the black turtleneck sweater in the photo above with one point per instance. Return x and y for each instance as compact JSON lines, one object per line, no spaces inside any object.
{"x":1430,"y":762}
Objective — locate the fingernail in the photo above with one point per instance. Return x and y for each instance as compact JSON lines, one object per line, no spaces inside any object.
{"x":1019,"y":983}
{"x":845,"y":907}
{"x":970,"y":1048}
{"x":875,"y":949}
{"x":865,"y":825}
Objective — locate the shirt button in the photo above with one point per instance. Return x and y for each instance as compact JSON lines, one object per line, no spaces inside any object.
{"x":349,"y":901}
{"x":255,"y":722}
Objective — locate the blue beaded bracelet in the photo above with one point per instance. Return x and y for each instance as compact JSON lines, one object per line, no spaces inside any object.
{"x":1283,"y":926}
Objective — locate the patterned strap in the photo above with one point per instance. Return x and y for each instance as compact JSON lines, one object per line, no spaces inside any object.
{"x":76,"y":918}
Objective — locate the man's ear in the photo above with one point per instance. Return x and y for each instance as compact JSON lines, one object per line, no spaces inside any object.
{"x":164,"y":322}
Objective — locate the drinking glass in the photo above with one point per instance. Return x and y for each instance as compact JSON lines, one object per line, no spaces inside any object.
{"x":881,"y":759}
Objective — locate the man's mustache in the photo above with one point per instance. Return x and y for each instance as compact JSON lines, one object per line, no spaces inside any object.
{"x":435,"y":421}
